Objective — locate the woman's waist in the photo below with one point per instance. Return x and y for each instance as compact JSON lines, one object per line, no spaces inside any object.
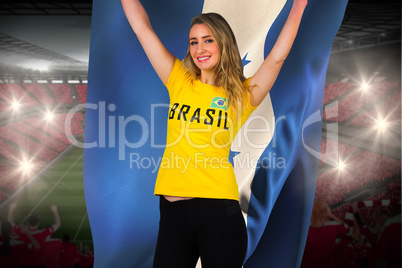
{"x":196,"y":155}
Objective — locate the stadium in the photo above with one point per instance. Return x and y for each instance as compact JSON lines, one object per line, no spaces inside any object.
{"x":43,"y":90}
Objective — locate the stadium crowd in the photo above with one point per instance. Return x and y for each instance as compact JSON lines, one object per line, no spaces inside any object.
{"x":366,"y":234}
{"x":28,"y":246}
{"x":352,"y":243}
{"x":334,"y":240}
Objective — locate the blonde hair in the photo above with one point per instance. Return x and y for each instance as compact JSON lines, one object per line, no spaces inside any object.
{"x":229,"y":70}
{"x":319,"y":215}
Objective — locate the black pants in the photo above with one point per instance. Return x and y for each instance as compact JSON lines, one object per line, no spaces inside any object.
{"x":213,"y":229}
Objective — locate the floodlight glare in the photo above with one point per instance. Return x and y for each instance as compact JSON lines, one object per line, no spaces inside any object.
{"x":26,"y":166}
{"x":15,"y":105}
{"x":49,"y":116}
{"x":341,"y":165}
{"x":39,"y":65}
{"x":364,"y":87}
{"x":381,"y":124}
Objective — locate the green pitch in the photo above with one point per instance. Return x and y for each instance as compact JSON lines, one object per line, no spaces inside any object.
{"x":61,"y":185}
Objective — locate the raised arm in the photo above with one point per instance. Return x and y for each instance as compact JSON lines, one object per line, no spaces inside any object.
{"x":11,"y":209}
{"x":263,"y":80}
{"x":161,"y":59}
{"x":57,"y":220}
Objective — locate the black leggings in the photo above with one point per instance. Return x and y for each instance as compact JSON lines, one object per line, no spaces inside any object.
{"x":213,"y":229}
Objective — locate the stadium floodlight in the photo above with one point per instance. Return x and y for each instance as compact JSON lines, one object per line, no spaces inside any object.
{"x":42,"y":81}
{"x":15,"y":105}
{"x":381,"y":124}
{"x":49,"y":116}
{"x":85,"y":81}
{"x":364,"y":87}
{"x":57,"y":81}
{"x":26,"y":166}
{"x":341,"y":165}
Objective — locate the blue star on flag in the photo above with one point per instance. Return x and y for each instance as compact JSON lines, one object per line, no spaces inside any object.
{"x":232,"y":155}
{"x":245,"y":61}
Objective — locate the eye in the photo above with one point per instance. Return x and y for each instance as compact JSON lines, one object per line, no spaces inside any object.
{"x":193,"y":43}
{"x":209,"y":41}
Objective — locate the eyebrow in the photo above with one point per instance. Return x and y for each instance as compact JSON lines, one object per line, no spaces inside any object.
{"x":207,"y":36}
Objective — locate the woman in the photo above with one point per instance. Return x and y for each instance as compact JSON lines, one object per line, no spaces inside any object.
{"x":210,"y":100}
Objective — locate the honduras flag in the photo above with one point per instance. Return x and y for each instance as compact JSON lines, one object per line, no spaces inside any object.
{"x":275,"y":155}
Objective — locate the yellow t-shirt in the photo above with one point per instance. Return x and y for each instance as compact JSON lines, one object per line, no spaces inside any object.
{"x":200,"y":131}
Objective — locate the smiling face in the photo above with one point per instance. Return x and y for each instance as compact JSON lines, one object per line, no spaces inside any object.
{"x":203,"y":49}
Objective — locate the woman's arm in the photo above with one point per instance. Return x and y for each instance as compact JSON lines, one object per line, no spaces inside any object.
{"x":161,"y":59}
{"x":263,"y":80}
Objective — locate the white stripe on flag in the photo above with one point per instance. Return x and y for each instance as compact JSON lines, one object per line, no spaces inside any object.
{"x":250,"y":22}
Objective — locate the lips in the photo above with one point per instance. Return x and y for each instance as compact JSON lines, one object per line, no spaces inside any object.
{"x":203,"y":59}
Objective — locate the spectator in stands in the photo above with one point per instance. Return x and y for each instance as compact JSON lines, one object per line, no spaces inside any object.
{"x":388,"y":250}
{"x":85,"y":258}
{"x":324,"y":228}
{"x":12,"y":249}
{"x":68,"y":255}
{"x":52,"y":251}
{"x":35,"y":258}
{"x":363,"y":252}
{"x":371,"y":234}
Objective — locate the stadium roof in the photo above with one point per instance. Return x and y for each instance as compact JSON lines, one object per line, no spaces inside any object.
{"x":44,"y":7}
{"x":369,"y":24}
{"x":366,"y":23}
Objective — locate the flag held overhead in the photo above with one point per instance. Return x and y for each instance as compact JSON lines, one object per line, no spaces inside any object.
{"x":122,"y":209}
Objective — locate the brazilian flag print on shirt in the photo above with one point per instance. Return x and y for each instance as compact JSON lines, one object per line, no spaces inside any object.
{"x":220,"y":103}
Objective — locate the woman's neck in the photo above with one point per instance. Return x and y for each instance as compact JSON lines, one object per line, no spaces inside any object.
{"x":208,"y":78}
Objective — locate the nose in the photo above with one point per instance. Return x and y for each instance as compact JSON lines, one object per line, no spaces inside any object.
{"x":200,"y":47}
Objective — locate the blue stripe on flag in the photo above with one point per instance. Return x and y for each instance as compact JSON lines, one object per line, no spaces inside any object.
{"x":281,"y":199}
{"x":122,"y":210}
